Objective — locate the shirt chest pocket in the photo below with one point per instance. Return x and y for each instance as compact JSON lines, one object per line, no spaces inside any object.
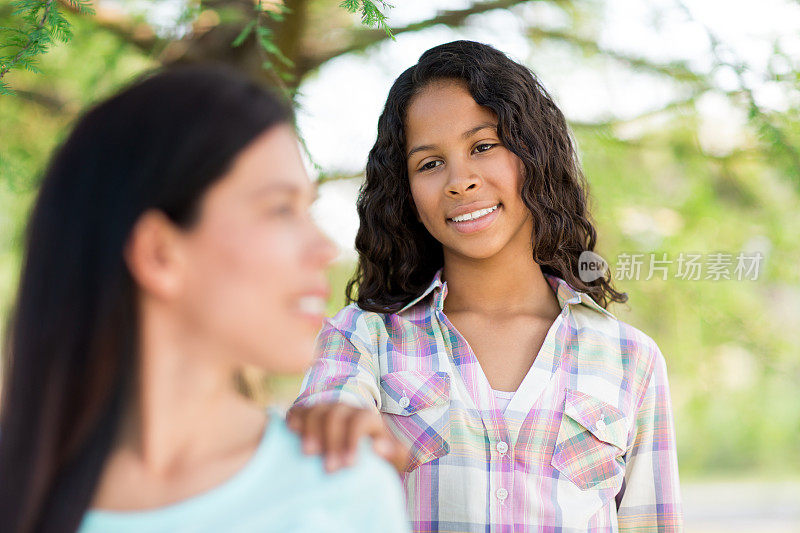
{"x":417,"y":406}
{"x":591,"y":442}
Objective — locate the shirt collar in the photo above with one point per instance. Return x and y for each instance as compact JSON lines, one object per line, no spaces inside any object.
{"x":566,"y":294}
{"x":434,"y":284}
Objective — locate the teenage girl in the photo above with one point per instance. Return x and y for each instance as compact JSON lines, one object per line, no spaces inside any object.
{"x":524,"y":403}
{"x":170,"y":244}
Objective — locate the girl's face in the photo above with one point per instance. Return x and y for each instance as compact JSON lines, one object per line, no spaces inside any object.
{"x":465,"y":184}
{"x":253,"y":281}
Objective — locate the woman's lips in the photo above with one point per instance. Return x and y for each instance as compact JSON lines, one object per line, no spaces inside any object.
{"x":311,"y":305}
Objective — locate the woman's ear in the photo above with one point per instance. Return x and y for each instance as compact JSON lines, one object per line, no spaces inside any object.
{"x":153,"y":255}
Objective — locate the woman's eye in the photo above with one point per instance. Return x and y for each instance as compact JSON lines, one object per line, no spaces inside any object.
{"x":283,"y":210}
{"x":484,"y":147}
{"x":430,"y":164}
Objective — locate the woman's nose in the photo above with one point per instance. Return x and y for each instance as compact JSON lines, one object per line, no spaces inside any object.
{"x":323,"y":249}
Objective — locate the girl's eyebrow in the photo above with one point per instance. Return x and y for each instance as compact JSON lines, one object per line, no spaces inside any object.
{"x":469,"y":133}
{"x":466,"y":135}
{"x":419,"y":149}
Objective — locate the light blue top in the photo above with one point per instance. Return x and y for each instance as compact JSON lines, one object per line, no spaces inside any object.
{"x":279,"y":489}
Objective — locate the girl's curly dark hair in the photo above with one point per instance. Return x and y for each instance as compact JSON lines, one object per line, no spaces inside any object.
{"x":397,"y":255}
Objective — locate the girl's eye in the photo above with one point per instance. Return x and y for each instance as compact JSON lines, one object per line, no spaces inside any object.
{"x":484,"y":147}
{"x":430,"y":164}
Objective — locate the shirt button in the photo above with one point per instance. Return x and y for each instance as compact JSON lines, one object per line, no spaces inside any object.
{"x":404,"y":401}
{"x":601,"y":424}
{"x":501,"y":494}
{"x":502,"y":447}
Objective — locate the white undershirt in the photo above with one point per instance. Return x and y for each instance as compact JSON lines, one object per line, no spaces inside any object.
{"x":502,"y":398}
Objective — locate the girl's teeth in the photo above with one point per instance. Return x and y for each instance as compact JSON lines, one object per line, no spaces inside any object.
{"x":475,"y":214}
{"x":311,"y":304}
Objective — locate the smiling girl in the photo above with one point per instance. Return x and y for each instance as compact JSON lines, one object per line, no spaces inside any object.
{"x":525,"y":405}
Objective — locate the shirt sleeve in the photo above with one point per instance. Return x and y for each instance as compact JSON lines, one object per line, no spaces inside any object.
{"x":345,"y":371}
{"x":650,"y":499}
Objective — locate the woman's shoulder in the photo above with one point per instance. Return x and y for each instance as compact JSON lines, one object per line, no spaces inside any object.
{"x":356,"y":491}
{"x":280,"y":489}
{"x":369,"y":470}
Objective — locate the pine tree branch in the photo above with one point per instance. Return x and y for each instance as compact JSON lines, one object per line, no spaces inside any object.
{"x":289,"y":30}
{"x":52,"y":103}
{"x":678,"y":70}
{"x":362,"y":39}
{"x":689,"y":101}
{"x":326,"y":177}
{"x":114,"y":21}
{"x":32,"y":41}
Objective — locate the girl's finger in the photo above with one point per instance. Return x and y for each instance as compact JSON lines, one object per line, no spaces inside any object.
{"x":294,"y":418}
{"x":362,"y":422}
{"x":311,"y":432}
{"x":394,"y":451}
{"x":402,"y":455}
{"x":332,"y":434}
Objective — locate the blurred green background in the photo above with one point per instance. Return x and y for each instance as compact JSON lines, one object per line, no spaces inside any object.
{"x":687,"y":118}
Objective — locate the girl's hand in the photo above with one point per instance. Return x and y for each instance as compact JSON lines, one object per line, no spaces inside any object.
{"x":334,"y":429}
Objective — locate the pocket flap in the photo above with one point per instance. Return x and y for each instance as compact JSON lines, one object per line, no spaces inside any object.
{"x":600,"y":418}
{"x":407,"y":391}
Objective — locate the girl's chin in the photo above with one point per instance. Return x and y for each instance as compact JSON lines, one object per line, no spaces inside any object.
{"x":473,"y":252}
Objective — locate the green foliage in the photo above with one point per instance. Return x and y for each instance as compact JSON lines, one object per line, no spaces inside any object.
{"x":264,"y":37}
{"x":730,"y":345}
{"x":371,"y":15}
{"x":41,"y":24}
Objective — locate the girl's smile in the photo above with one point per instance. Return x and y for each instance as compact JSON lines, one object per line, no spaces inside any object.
{"x":471,"y":218}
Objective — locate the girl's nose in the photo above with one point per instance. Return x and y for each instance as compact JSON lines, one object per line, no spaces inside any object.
{"x":462,"y":179}
{"x":460,"y":186}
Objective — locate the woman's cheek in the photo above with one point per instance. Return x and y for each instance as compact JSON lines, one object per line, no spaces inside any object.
{"x":240,"y":273}
{"x":280,"y":252}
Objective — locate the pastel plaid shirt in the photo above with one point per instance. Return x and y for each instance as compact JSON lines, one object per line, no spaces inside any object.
{"x":586,"y":444}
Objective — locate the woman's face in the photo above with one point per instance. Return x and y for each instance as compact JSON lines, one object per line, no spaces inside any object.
{"x":465,"y":184}
{"x":255,"y":280}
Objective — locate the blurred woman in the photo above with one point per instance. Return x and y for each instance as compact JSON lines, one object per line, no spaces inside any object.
{"x":171,"y":244}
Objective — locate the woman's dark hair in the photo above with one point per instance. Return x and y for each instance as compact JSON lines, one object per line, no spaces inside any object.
{"x":71,"y":348}
{"x":397,"y":255}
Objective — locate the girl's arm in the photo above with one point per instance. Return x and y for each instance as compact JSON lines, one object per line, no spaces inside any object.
{"x":650,"y":498}
{"x":346,"y":371}
{"x":339,"y":400}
